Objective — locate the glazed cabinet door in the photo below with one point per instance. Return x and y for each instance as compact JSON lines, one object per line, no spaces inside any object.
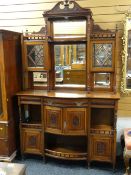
{"x":102,"y":54}
{"x":53,"y":119}
{"x":32,"y":141}
{"x":75,"y":122}
{"x":101,"y":148}
{"x":34,"y":56}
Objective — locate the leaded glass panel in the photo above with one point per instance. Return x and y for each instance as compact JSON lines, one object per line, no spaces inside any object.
{"x":102,"y":55}
{"x":35,"y":55}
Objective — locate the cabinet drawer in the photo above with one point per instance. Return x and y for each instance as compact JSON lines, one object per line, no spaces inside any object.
{"x":4,"y":151}
{"x":102,"y":102}
{"x":29,"y":100}
{"x":63,"y":102}
{"x":3,"y":130}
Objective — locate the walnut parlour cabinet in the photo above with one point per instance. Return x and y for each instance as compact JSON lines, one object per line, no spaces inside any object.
{"x":68,"y":109}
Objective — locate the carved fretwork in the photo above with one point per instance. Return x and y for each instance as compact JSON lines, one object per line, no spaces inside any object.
{"x":53,"y":118}
{"x":101,"y":148}
{"x":76,"y":121}
{"x":32,"y":141}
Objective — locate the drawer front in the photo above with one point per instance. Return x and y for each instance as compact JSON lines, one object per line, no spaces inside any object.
{"x":4,"y":151}
{"x":102,"y":102}
{"x":3,"y":130}
{"x":29,"y":100}
{"x":60,"y":102}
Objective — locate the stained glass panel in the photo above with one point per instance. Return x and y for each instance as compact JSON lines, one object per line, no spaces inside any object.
{"x":102,"y":55}
{"x":35,"y":55}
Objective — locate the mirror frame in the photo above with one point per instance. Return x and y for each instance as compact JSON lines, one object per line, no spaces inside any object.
{"x":124,"y":89}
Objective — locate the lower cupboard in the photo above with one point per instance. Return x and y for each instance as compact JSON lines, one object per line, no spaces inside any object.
{"x":71,"y":128}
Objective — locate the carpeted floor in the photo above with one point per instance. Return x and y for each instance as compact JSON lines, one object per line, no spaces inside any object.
{"x":59,"y":167}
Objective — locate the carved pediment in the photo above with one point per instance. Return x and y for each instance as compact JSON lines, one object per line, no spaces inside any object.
{"x":67,"y":8}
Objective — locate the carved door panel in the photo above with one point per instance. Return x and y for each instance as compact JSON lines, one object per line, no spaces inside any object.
{"x":53,"y":119}
{"x":75,"y":121}
{"x":32,"y":141}
{"x":101,"y":148}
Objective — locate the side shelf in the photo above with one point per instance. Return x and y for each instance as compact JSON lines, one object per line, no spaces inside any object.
{"x":31,"y":126}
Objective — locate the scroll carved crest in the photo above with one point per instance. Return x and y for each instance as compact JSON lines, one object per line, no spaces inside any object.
{"x":66,"y":8}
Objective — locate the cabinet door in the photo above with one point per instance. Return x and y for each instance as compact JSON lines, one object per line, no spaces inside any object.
{"x":101,"y":148}
{"x":32,"y":141}
{"x":53,"y":119}
{"x":75,"y":121}
{"x":102,"y":55}
{"x":3,"y":94}
{"x":34,"y":55}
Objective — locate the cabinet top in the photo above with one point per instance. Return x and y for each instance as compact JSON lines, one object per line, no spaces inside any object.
{"x":69,"y":94}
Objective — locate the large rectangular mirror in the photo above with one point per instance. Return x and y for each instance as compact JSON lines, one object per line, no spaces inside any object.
{"x":70,"y":64}
{"x":126,"y":57}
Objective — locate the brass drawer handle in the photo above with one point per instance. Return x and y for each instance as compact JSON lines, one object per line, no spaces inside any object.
{"x":68,"y":73}
{"x":1,"y":129}
{"x":68,"y":78}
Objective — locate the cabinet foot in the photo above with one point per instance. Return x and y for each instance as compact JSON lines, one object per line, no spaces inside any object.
{"x":23,"y":157}
{"x":44,"y":160}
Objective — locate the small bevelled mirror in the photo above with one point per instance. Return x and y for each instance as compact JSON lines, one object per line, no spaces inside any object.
{"x":126,"y":57}
{"x":102,"y":80}
{"x":39,"y":79}
{"x":69,"y":29}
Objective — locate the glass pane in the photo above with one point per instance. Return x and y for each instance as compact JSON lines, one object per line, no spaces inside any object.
{"x":63,"y":29}
{"x":70,"y":64}
{"x":1,"y":110}
{"x":102,"y":80}
{"x":39,"y":79}
{"x":128,"y":69}
{"x":102,"y":55}
{"x":35,"y":55}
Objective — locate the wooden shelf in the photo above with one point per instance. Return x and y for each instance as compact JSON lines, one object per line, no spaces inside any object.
{"x":102,"y":129}
{"x":31,"y":125}
{"x":66,"y":153}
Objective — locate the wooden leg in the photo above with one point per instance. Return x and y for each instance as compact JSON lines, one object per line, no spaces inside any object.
{"x":126,"y":160}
